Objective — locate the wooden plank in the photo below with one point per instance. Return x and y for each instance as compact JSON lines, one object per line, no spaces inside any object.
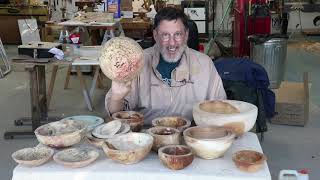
{"x":51,"y":84}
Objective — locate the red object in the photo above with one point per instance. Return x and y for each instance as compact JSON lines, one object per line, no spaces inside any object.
{"x":304,"y":171}
{"x":247,"y":23}
{"x":75,"y":38}
{"x":201,"y":48}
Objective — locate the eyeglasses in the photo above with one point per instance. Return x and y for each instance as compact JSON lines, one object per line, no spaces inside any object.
{"x":177,"y":36}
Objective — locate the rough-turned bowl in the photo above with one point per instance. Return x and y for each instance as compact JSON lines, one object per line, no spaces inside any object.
{"x":133,"y":118}
{"x":238,"y":115}
{"x":128,"y":148}
{"x":177,"y":122}
{"x":209,"y":142}
{"x":248,"y":160}
{"x":61,"y":133}
{"x":76,"y":157}
{"x":176,"y":157}
{"x":163,"y":136}
{"x":33,"y":156}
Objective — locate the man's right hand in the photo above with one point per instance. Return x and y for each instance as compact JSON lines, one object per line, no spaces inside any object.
{"x":120,"y":90}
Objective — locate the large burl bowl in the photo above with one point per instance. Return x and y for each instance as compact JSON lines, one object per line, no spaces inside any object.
{"x":128,"y":148}
{"x":163,"y":136}
{"x":61,"y":133}
{"x":209,"y":142}
{"x":176,"y":157}
{"x":177,"y":122}
{"x":238,"y":115}
{"x":133,"y":118}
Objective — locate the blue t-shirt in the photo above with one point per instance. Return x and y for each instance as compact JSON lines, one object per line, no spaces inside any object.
{"x":165,"y":68}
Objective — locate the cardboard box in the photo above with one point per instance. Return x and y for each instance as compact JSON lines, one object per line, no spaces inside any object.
{"x":292,"y":103}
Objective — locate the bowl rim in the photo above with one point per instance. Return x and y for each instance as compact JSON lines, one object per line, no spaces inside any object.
{"x":260,"y":161}
{"x":101,"y":136}
{"x":188,"y":122}
{"x":105,"y":144}
{"x":79,"y":131}
{"x":21,"y":161}
{"x":252,"y":107}
{"x":230,"y":133}
{"x":191,"y":153}
{"x":176,"y":131}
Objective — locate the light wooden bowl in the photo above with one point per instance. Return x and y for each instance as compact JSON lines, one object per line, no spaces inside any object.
{"x":163,"y":136}
{"x":33,"y":156}
{"x":176,"y":157}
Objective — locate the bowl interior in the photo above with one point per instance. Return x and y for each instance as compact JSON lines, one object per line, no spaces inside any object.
{"x":207,"y":132}
{"x":174,"y":122}
{"x":60,"y":128}
{"x":163,"y":131}
{"x":130,"y":141}
{"x":176,"y":150}
{"x":218,"y":107}
{"x":249,"y":157}
{"x":32,"y":154}
{"x":75,"y":154}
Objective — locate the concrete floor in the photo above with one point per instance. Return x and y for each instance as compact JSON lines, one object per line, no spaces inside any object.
{"x":287,"y":147}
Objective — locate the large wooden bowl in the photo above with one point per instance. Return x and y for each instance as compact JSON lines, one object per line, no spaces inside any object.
{"x":61,"y":133}
{"x":238,"y":115}
{"x":128,"y":148}
{"x":209,"y":142}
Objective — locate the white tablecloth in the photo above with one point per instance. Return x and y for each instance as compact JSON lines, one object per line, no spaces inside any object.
{"x":151,"y":168}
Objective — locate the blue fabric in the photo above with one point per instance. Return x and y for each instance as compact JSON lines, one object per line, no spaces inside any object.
{"x":253,"y":74}
{"x":165,"y":68}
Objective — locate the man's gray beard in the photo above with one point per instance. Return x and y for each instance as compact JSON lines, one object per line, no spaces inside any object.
{"x":178,"y":56}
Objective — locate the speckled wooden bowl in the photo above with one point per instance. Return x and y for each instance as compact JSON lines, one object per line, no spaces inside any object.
{"x":76,"y":157}
{"x":33,"y":156}
{"x":163,"y":136}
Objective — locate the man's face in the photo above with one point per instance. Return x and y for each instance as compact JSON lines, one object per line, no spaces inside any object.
{"x":171,"y":37}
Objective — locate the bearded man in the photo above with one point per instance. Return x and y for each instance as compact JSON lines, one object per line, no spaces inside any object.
{"x":174,"y":77}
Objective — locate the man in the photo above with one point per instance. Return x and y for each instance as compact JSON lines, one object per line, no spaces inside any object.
{"x":174,"y":77}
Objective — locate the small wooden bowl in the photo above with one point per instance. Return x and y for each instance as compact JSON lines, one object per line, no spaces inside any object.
{"x":176,"y":157}
{"x":163,"y":136}
{"x":179,"y":123}
{"x":133,"y":118}
{"x":248,"y":160}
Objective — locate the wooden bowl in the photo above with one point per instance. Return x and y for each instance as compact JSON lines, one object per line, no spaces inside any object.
{"x":128,"y":148}
{"x":33,"y":156}
{"x":107,"y":130}
{"x":76,"y":157}
{"x":133,"y":118}
{"x":175,"y":157}
{"x":248,"y":160}
{"x":61,"y":133}
{"x":209,"y":142}
{"x":238,"y":115}
{"x":163,"y":136}
{"x":179,"y":123}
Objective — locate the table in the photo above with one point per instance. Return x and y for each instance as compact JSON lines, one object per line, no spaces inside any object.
{"x":38,"y":94}
{"x":151,"y":168}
